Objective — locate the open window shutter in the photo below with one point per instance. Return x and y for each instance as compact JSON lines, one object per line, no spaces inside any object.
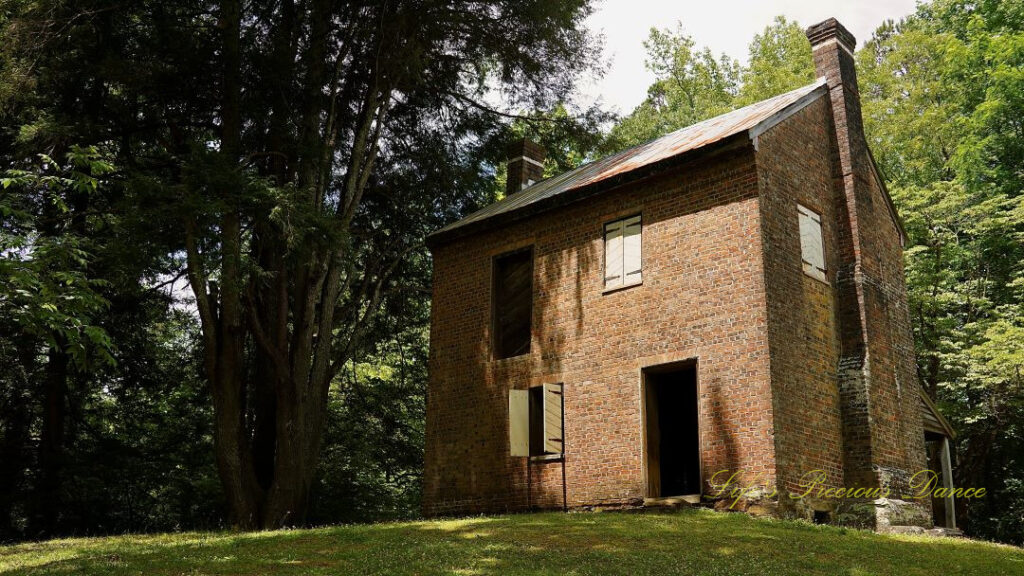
{"x":631,"y":250}
{"x":519,"y":422}
{"x":613,"y":253}
{"x":553,"y":419}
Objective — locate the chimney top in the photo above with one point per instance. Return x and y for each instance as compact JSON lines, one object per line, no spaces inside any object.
{"x":525,"y":165}
{"x":830,"y":29}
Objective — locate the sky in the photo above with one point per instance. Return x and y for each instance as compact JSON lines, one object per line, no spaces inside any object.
{"x":722,"y":25}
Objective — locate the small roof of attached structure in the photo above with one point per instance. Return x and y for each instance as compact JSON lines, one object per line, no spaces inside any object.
{"x":933,"y":420}
{"x":754,"y":119}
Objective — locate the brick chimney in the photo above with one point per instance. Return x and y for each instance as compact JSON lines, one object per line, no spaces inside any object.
{"x":833,"y":45}
{"x":876,"y":373}
{"x":525,"y":165}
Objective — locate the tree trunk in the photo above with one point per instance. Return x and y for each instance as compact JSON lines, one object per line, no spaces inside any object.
{"x":51,"y":443}
{"x":280,"y":323}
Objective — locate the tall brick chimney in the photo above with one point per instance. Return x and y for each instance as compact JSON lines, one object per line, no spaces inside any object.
{"x":876,"y":374}
{"x":833,"y":45}
{"x":525,"y":165}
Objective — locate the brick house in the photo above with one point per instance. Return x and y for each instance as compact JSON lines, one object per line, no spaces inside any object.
{"x":727,"y":301}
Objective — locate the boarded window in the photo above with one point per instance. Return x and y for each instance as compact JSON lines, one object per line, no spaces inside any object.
{"x":812,"y":248}
{"x":513,"y":303}
{"x":622,"y":252}
{"x":535,"y":421}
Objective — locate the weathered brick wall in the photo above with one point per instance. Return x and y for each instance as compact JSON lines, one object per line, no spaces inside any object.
{"x":795,"y":165}
{"x":794,"y":374}
{"x":702,"y":297}
{"x":898,"y":437}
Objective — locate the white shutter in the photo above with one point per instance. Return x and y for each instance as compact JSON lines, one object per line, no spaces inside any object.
{"x":519,"y":422}
{"x":613,"y":253}
{"x":811,"y":246}
{"x":553,"y":419}
{"x":631,"y":249}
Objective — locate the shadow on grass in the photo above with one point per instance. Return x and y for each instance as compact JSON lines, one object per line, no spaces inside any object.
{"x":688,"y":542}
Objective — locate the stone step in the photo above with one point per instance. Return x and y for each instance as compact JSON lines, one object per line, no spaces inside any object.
{"x":672,"y":501}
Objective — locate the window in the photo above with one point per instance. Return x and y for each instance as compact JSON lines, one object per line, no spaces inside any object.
{"x":812,"y":249}
{"x":535,"y":421}
{"x":513,"y":303}
{"x":622,"y":252}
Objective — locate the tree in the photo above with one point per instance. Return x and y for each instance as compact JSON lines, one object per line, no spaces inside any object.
{"x":779,"y":61}
{"x":50,"y":304}
{"x":942,"y":108}
{"x":691,"y":85}
{"x":273,"y":135}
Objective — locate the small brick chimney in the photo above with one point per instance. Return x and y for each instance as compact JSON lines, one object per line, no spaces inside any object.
{"x":525,"y":165}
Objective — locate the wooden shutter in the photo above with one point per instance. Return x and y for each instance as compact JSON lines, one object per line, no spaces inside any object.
{"x":553,"y":419}
{"x":613,"y":253}
{"x":519,"y":422}
{"x":513,"y":303}
{"x":631,"y":250}
{"x":812,"y":249}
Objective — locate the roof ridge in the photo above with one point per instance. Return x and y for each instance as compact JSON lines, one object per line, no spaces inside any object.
{"x":677,"y":142}
{"x":809,"y":87}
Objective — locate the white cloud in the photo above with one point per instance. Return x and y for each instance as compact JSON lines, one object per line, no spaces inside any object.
{"x":722,"y":25}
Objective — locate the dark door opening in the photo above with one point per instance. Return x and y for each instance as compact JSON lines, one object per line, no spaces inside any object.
{"x":673,"y":445}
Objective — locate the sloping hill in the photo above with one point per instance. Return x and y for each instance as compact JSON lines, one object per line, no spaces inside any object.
{"x":686,"y":542}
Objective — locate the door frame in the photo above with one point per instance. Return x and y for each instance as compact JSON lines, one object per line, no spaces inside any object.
{"x":665,"y":368}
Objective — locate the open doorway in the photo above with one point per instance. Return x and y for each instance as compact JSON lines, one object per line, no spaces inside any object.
{"x":937,"y":446}
{"x":672,"y":430}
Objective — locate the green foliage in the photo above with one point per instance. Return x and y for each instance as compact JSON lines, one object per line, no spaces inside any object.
{"x":45,"y":286}
{"x":942,"y":106}
{"x":691,"y":85}
{"x":779,"y":61}
{"x":372,"y":467}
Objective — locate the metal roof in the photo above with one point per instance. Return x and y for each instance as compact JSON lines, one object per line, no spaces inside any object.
{"x":755,"y":118}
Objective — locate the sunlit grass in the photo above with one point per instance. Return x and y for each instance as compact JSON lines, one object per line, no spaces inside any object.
{"x":688,"y":542}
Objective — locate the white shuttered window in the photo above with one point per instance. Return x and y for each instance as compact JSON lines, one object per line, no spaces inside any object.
{"x":622,"y":252}
{"x":812,"y":247}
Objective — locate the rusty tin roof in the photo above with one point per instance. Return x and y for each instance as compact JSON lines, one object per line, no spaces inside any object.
{"x":754,"y":119}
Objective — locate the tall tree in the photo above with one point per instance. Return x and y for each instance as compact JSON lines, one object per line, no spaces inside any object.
{"x":294,"y":153}
{"x":691,"y":85}
{"x":942,"y":109}
{"x":779,"y":60}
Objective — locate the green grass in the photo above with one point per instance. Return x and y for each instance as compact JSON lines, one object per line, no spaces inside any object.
{"x":687,"y":542}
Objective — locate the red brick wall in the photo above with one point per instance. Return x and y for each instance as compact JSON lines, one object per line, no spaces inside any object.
{"x":795,"y":165}
{"x":702,"y":298}
{"x":898,"y":436}
{"x":794,"y":374}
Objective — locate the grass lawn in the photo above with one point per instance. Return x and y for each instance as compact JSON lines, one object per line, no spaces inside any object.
{"x":685,"y":542}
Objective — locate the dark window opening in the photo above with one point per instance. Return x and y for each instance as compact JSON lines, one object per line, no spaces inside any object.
{"x":821,"y":517}
{"x":536,"y":420}
{"x":673,"y":447}
{"x":513,"y":303}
